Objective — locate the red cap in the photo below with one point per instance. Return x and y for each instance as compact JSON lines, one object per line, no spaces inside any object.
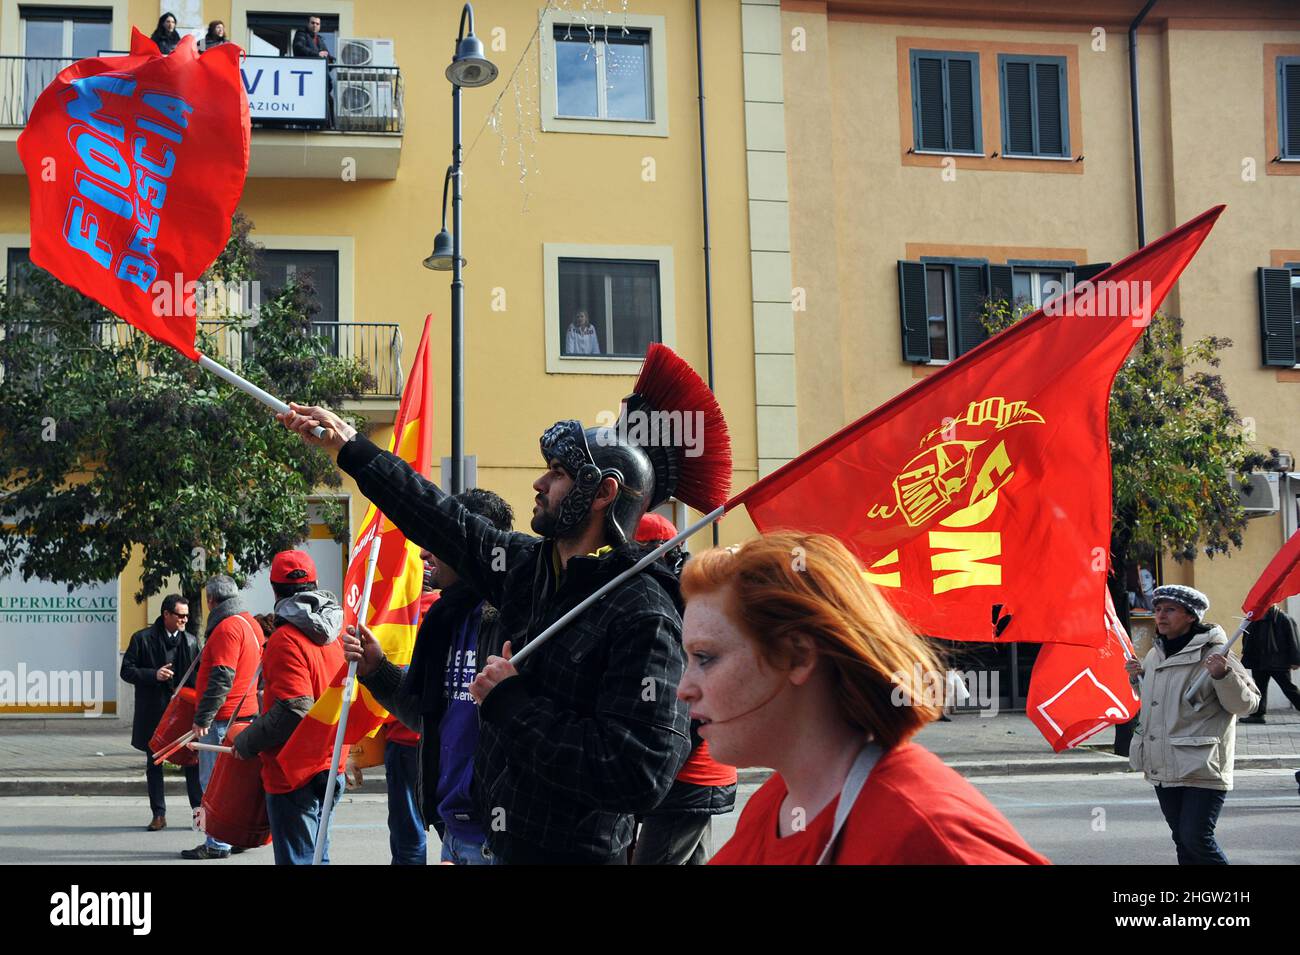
{"x":655,"y":527}
{"x":293,"y":567}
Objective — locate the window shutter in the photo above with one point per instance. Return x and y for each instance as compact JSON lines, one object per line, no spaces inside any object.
{"x":912,"y":311}
{"x":1049,"y":81}
{"x":1290,"y":107}
{"x":961,"y":105}
{"x":1018,"y":134}
{"x":928,"y":109}
{"x":1277,"y":324}
{"x":968,"y":295}
{"x":1000,"y":284}
{"x":1086,"y":273}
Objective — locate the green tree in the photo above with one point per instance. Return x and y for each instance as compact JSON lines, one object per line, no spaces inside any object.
{"x":1175,"y":443}
{"x":113,"y":441}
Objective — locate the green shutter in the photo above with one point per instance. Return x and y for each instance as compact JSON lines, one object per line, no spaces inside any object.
{"x":1018,"y":122}
{"x":969,"y":293}
{"x":1277,"y":322}
{"x":1000,"y":284}
{"x":961,"y":105}
{"x":1290,"y":109}
{"x":1049,"y":81}
{"x":1086,"y":273}
{"x":912,"y":311}
{"x":928,"y":106}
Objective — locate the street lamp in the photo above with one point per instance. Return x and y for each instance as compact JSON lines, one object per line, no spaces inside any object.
{"x":468,"y":68}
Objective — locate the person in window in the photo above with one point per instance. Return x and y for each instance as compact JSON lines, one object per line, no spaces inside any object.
{"x":581,"y":338}
{"x":308,"y":42}
{"x":216,"y":35}
{"x":165,"y":34}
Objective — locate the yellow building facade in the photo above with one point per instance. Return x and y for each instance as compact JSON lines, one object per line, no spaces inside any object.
{"x":903,"y":147}
{"x":552,"y":197}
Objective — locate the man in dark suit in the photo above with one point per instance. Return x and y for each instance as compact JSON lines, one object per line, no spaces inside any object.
{"x":309,"y":42}
{"x":156,"y":658}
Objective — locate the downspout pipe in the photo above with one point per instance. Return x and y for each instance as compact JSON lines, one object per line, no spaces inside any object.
{"x":1135,"y":111}
{"x":704,"y":197}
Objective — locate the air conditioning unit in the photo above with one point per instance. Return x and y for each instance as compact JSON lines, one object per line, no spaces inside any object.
{"x":365,"y":51}
{"x":365,"y":100}
{"x":1262,"y":496}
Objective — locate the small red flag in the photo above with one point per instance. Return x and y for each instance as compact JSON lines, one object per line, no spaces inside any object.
{"x":980,"y":497}
{"x":1076,"y":692}
{"x":1280,"y":579}
{"x":135,"y":165}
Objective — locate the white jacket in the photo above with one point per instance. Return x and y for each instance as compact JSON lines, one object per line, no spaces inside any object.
{"x":1177,"y":743}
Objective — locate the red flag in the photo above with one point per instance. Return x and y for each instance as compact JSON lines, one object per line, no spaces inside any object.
{"x":980,"y":497}
{"x":395,"y":593}
{"x":1076,"y":692}
{"x":135,"y":165}
{"x":1280,"y":579}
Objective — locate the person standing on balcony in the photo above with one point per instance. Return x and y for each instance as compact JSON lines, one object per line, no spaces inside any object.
{"x":309,"y":42}
{"x":216,"y":35}
{"x":165,"y":34}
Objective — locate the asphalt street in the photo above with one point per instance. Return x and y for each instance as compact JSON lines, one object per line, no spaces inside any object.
{"x":1109,"y":818}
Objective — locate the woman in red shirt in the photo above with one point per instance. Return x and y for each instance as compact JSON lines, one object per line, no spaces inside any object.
{"x":796,"y":662}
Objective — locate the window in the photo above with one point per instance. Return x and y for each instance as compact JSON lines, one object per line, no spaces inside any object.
{"x":945,"y":102}
{"x":52,"y":38}
{"x":1035,"y":106}
{"x":271,"y":34}
{"x":602,"y":73}
{"x":18,"y":261}
{"x":1036,"y":286}
{"x":1279,"y":306}
{"x":1288,"y":106}
{"x":940,"y":302}
{"x":608,"y":78}
{"x":276,"y":268}
{"x":608,"y":307}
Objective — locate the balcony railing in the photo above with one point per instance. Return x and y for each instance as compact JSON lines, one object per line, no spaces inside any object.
{"x":376,"y":345}
{"x":362,"y":99}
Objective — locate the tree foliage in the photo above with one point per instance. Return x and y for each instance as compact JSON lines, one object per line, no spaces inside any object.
{"x":1175,"y":443}
{"x":113,"y":441}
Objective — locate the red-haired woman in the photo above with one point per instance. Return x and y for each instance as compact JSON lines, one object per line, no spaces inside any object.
{"x":796,"y":662}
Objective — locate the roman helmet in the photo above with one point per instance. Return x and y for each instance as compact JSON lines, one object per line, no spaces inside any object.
{"x":641,"y":451}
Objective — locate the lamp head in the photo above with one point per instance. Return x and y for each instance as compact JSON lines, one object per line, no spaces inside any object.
{"x":470,"y":67}
{"x":443,"y":256}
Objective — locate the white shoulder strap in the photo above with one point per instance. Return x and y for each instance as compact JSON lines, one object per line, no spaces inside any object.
{"x":853,"y":784}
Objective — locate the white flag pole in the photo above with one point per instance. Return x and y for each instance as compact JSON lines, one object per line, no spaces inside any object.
{"x":246,"y":386}
{"x":331,"y":780}
{"x":1200,"y":677}
{"x":636,"y":568}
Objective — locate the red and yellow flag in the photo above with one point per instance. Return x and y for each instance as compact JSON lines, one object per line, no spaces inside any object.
{"x":394,"y":609}
{"x":980,"y":498}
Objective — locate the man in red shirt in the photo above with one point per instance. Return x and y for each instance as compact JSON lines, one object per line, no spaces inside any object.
{"x":302,"y":655}
{"x":226,"y":683}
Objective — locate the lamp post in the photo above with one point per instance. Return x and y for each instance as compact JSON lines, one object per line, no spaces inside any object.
{"x":469,"y":67}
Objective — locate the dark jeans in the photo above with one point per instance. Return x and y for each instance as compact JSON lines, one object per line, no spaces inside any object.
{"x":1283,"y":678}
{"x":1192,"y":813}
{"x":674,"y":838}
{"x":407,"y":839}
{"x":153,"y":777}
{"x":294,"y":818}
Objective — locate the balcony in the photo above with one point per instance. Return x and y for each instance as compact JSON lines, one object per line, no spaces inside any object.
{"x":310,"y":120}
{"x":377,"y":345}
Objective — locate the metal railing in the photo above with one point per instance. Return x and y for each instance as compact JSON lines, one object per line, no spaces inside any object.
{"x":376,"y":345}
{"x":363,"y":99}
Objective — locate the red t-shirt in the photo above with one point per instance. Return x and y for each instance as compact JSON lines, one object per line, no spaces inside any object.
{"x":295,"y":666}
{"x":701,"y":769}
{"x":236,"y":643}
{"x":913,"y":810}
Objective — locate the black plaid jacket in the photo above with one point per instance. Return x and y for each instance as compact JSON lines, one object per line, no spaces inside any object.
{"x":591,"y":731}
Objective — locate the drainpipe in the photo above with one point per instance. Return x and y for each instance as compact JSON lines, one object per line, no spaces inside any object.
{"x":704,"y":195}
{"x":1136,"y":114}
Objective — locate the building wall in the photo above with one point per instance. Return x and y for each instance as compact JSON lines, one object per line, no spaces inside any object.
{"x":576,"y":188}
{"x":859,"y":202}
